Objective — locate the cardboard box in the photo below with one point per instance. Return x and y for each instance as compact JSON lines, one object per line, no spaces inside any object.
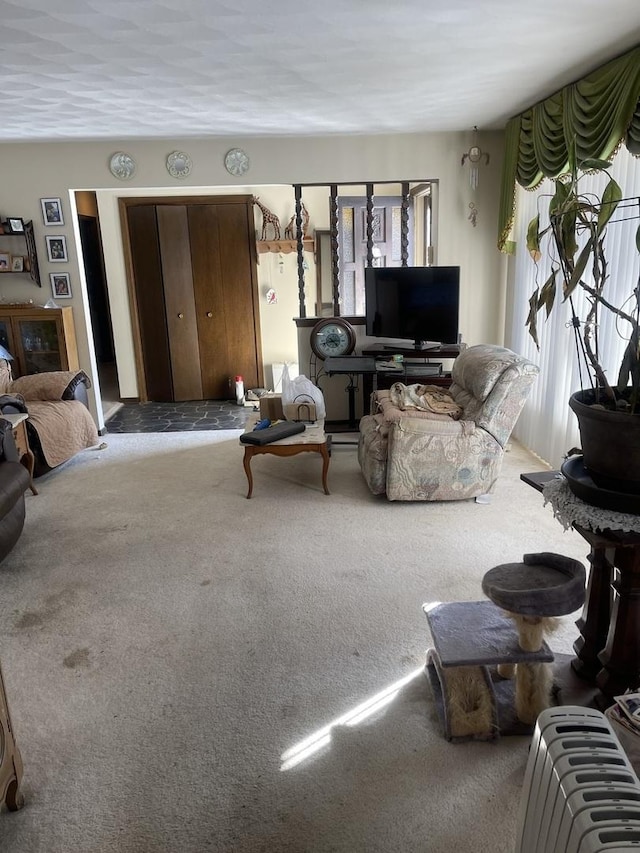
{"x":271,"y":407}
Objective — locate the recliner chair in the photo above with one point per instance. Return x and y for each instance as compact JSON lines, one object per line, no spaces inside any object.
{"x":59,"y":423}
{"x":418,"y":456}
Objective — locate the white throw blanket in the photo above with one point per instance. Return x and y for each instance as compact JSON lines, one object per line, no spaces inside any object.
{"x":429,"y":398}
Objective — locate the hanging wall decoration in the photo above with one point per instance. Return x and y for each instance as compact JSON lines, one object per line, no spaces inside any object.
{"x":56,"y":248}
{"x":179,"y":164}
{"x":475,"y":155}
{"x":236,"y":162}
{"x":60,"y":285}
{"x":52,"y":211}
{"x":122,"y":166}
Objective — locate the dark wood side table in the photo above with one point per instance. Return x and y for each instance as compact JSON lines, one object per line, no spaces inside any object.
{"x":608,"y":648}
{"x":609,"y":642}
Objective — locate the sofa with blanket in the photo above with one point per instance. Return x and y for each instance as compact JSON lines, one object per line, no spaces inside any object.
{"x":59,"y":422}
{"x":432,"y":444}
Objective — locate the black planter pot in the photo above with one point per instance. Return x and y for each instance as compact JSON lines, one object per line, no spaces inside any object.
{"x":610,"y":444}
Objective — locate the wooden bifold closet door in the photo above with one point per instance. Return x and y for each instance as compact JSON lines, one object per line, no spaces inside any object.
{"x":194,"y":278}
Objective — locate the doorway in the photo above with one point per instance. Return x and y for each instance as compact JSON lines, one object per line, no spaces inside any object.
{"x":193,"y":295}
{"x":98,"y":300}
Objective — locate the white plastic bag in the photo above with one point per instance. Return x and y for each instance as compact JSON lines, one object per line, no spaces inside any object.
{"x":300,"y":390}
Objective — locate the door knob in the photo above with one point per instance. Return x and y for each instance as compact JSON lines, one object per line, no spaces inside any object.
{"x":209,"y":314}
{"x":180,"y":316}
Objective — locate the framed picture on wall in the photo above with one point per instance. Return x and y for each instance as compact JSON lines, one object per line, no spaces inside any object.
{"x":52,"y":211}
{"x":60,"y":285}
{"x":17,"y":263}
{"x":5,"y":261}
{"x":56,"y":249}
{"x":14,"y":225}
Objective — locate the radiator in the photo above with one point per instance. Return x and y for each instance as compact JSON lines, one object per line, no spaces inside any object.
{"x":581,"y":793}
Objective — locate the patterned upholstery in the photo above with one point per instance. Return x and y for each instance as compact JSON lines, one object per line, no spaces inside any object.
{"x":422,"y":457}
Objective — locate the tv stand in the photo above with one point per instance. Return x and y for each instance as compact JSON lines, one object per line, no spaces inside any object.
{"x":428,"y":350}
{"x":417,"y":368}
{"x":418,"y":347}
{"x":413,"y":357}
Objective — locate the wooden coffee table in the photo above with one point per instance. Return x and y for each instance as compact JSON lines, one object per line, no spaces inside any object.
{"x":312,"y":440}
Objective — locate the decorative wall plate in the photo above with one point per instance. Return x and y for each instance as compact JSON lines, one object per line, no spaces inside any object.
{"x":179,"y":164}
{"x":122,"y":166}
{"x":236,"y":162}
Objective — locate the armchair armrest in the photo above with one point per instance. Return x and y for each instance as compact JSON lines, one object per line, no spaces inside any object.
{"x":435,"y":426}
{"x":54,"y":385}
{"x":8,"y":448}
{"x":12,"y":404}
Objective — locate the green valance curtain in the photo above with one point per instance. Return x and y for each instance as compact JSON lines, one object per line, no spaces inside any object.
{"x":597,"y":113}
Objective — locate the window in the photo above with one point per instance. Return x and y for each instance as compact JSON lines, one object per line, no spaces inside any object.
{"x":352,"y":244}
{"x":547,"y":425}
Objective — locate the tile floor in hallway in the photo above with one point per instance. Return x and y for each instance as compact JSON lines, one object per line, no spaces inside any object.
{"x":178,"y":417}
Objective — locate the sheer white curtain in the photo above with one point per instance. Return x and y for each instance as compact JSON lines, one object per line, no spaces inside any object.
{"x":547,"y":425}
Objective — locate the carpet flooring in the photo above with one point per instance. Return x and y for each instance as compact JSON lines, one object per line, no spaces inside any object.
{"x":191,"y":671}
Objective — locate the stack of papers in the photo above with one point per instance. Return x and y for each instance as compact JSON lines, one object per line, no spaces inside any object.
{"x":626,"y":712}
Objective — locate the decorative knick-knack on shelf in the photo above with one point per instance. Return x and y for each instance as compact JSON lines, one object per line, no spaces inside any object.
{"x":268,"y":218}
{"x":289,"y":233}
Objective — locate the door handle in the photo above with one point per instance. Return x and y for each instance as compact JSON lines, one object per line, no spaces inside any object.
{"x":209,"y":314}
{"x":180,"y":316}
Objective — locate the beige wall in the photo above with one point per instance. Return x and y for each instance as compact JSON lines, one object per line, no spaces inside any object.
{"x":33,"y":171}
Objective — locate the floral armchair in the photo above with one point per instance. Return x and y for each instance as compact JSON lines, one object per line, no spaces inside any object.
{"x":412,"y":455}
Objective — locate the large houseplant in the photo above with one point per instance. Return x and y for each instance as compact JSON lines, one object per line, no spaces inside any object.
{"x":608,"y":410}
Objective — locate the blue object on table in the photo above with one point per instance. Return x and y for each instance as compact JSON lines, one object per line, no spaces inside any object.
{"x":263,"y":424}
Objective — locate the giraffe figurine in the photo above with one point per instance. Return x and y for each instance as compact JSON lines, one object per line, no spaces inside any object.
{"x":305,"y":219}
{"x":289,"y":231}
{"x":268,"y":218}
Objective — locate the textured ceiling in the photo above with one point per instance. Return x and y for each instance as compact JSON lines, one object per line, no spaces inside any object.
{"x":104,"y":69}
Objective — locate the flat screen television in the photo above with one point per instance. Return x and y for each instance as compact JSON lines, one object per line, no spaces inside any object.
{"x":416,"y":303}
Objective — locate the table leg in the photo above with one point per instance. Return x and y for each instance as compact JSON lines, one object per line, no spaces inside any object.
{"x":325,"y":467}
{"x":28,"y":460}
{"x":351,"y":391}
{"x":620,"y":657}
{"x":248,"y":453}
{"x":596,"y":614}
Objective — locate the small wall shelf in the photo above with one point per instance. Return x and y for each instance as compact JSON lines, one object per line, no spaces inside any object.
{"x":284,"y":246}
{"x":31,"y":257}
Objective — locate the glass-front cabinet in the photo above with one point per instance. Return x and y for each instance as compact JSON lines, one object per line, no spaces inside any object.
{"x":39,"y":339}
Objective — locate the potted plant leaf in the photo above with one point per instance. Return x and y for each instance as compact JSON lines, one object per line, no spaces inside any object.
{"x":608,"y":410}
